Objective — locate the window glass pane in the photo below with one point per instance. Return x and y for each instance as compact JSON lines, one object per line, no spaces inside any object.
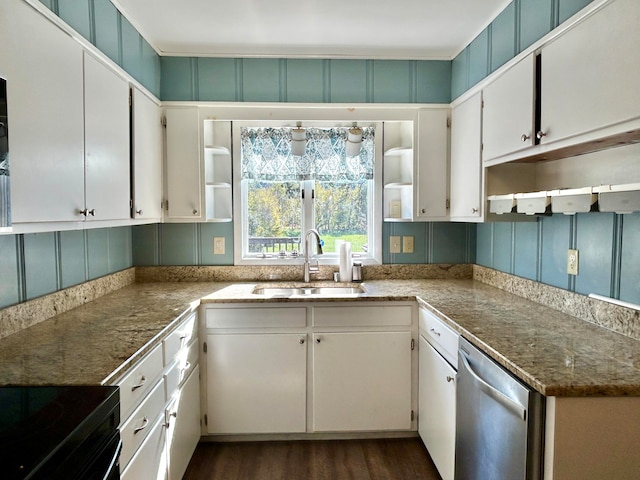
{"x":342,"y":212}
{"x":274,"y":216}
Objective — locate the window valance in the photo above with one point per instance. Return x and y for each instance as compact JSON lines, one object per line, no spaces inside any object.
{"x":266,"y":155}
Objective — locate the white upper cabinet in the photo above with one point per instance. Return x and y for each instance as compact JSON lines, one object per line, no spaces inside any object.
{"x":184,"y":177}
{"x":466,"y":164}
{"x":44,"y":87}
{"x":508,"y":111}
{"x":107,"y":147}
{"x":431,"y":179}
{"x":590,"y":75}
{"x":147,"y":158}
{"x":415,"y":167}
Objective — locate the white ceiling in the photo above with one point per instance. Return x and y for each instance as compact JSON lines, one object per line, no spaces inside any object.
{"x":391,"y":29}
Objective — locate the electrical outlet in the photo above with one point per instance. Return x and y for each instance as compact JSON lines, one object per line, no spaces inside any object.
{"x":572,"y":262}
{"x":407,"y":244}
{"x":394,"y":244}
{"x":218,"y":245}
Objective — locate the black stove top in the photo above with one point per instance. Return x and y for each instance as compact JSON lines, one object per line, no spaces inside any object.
{"x":44,"y":428}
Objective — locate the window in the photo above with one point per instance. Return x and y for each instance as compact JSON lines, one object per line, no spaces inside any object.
{"x":284,"y":195}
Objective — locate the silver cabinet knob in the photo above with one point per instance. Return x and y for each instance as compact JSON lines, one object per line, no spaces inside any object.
{"x":318,"y":339}
{"x":301,"y":340}
{"x":86,"y":212}
{"x":541,"y":134}
{"x":449,"y":379}
{"x":92,"y":212}
{"x":525,"y":137}
{"x":139,"y":212}
{"x":195,"y":212}
{"x":474,"y":210}
{"x":424,"y":210}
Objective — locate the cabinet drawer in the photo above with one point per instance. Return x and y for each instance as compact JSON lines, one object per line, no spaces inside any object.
{"x":180,"y":369}
{"x":362,"y":316}
{"x":137,"y":383}
{"x":179,"y":338}
{"x":256,"y":317}
{"x":441,"y":336}
{"x":135,"y":429}
{"x":149,"y":455}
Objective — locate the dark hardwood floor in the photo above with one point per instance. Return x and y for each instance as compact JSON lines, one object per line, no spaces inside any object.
{"x":384,"y":459}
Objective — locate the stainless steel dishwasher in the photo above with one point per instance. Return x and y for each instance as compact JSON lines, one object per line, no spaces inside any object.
{"x":500,"y":421}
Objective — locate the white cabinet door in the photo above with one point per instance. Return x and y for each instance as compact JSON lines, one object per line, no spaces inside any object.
{"x":107,"y":146}
{"x":466,"y":164}
{"x":44,"y":88}
{"x":437,"y":408}
{"x":590,"y":75}
{"x":184,"y":179}
{"x":431,"y":172}
{"x":147,"y":158}
{"x":361,"y":381}
{"x":183,"y":419}
{"x":508,"y":111}
{"x":256,"y":383}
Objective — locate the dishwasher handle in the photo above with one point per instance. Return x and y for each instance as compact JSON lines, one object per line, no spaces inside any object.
{"x":497,"y":395}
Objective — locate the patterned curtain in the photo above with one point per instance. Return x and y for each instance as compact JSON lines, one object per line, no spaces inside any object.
{"x":266,"y":155}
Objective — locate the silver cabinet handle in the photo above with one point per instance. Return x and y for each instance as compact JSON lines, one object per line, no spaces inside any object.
{"x":541,"y":134}
{"x":318,"y":339}
{"x":139,"y":212}
{"x":195,"y":212}
{"x":449,"y":378}
{"x":301,"y":341}
{"x":145,"y":422}
{"x":83,"y":212}
{"x":434,"y":331}
{"x":474,"y":210}
{"x":141,"y":384}
{"x":525,"y":137}
{"x":92,"y":212}
{"x":424,"y":210}
{"x":495,"y":394}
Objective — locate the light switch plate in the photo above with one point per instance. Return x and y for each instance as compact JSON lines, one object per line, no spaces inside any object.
{"x":572,"y":262}
{"x":394,"y":244}
{"x":218,"y":245}
{"x":407,"y":244}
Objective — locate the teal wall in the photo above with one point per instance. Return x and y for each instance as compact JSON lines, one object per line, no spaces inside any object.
{"x":609,"y":258}
{"x":35,"y":264}
{"x":305,"y":80}
{"x":181,"y":244}
{"x":518,"y":26}
{"x":192,"y":243}
{"x":103,"y":25}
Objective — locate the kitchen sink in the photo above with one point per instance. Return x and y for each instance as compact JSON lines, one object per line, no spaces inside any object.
{"x":326,"y":291}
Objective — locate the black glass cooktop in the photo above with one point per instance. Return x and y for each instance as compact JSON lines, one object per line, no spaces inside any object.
{"x":42,"y":428}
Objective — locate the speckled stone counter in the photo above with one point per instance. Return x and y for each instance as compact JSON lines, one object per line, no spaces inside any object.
{"x":553,"y":352}
{"x":97,"y":342}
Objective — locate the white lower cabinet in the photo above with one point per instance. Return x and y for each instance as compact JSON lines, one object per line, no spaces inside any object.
{"x":183,"y":425}
{"x":437,"y":407}
{"x":362,"y":381}
{"x":256,"y":383}
{"x":309,"y":369}
{"x":150,"y":461}
{"x":160,"y":408}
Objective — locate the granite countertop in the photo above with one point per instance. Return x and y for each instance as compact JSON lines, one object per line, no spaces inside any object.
{"x":555,"y":353}
{"x":97,"y":342}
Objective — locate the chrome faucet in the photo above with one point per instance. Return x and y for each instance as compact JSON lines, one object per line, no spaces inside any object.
{"x":309,"y":269}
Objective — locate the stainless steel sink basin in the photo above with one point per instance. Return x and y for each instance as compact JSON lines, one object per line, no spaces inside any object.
{"x":307,"y":291}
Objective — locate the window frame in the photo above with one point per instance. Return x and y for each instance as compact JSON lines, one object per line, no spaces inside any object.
{"x":373,"y":257}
